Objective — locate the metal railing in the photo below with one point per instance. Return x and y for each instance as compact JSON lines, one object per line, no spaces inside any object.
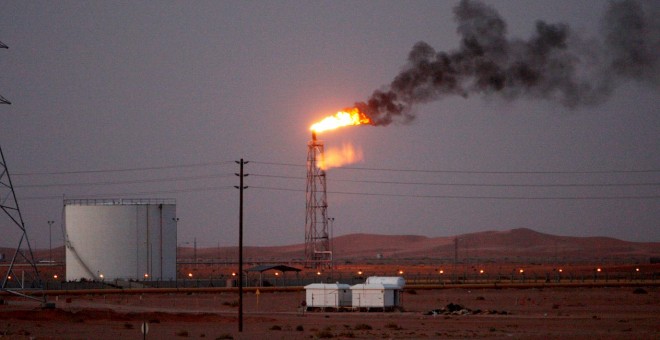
{"x":118,"y":201}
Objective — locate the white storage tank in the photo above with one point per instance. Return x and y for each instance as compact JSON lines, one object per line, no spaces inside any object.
{"x":324,"y":295}
{"x":120,"y":239}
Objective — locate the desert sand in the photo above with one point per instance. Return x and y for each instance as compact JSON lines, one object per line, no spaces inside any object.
{"x":541,"y":312}
{"x":609,"y":289}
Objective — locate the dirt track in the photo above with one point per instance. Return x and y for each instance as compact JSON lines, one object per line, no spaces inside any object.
{"x":602,"y":312}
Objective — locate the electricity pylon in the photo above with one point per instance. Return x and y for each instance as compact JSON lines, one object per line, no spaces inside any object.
{"x":11,"y":282}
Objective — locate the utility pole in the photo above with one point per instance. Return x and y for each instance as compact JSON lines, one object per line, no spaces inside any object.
{"x":332,"y":238}
{"x":455,"y":251}
{"x":50,"y":241}
{"x":241,"y":187}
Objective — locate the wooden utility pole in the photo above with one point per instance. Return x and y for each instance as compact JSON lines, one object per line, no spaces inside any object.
{"x":241,"y":175}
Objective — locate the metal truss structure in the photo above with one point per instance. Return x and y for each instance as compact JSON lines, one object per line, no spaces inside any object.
{"x":11,"y":282}
{"x":318,"y":252}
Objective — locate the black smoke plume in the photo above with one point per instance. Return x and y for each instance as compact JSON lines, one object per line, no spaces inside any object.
{"x":553,"y":64}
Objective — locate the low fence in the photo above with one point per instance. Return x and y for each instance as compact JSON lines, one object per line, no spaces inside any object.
{"x":269,"y":279}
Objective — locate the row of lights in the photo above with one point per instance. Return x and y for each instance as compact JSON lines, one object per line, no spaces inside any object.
{"x":146,"y":276}
{"x":440,"y":271}
{"x":481,"y":271}
{"x":359,"y":272}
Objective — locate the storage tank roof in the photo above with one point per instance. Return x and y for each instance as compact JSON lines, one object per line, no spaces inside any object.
{"x":119,"y":201}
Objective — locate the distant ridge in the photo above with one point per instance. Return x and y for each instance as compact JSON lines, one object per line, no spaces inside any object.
{"x":511,"y":244}
{"x":521,"y":243}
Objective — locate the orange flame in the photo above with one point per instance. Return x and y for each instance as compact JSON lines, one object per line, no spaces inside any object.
{"x":348,"y":117}
{"x":336,"y":157}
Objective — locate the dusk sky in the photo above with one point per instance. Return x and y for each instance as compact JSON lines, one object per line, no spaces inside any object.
{"x":157,"y":99}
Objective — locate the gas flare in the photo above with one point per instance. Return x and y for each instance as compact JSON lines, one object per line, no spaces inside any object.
{"x":336,"y":157}
{"x":348,"y":117}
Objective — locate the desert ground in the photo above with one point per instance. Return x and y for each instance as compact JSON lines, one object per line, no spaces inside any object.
{"x":601,"y":312}
{"x":512,"y":284}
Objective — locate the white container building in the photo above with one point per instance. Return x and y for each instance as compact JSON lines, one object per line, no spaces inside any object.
{"x":389,"y":280}
{"x":120,"y":239}
{"x":378,"y":292}
{"x":327,"y":295}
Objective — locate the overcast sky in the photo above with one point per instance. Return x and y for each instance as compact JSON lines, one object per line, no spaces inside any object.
{"x":166,"y":95}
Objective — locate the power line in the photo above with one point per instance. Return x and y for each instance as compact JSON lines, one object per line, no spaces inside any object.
{"x":340,"y":168}
{"x":504,"y":172}
{"x":569,"y":185}
{"x":614,"y":171}
{"x":159,"y":192}
{"x":476,"y":197}
{"x":364,"y":181}
{"x":282,"y":164}
{"x":156,"y":180}
{"x":122,"y":169}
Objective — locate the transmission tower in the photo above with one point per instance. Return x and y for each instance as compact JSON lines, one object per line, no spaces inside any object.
{"x":2,"y":99}
{"x":318,"y":253}
{"x":11,"y":282}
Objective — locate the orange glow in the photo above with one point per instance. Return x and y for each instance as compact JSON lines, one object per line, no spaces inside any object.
{"x":336,"y":157}
{"x":350,"y":117}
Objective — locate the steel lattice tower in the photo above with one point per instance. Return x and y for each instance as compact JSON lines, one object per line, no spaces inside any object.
{"x":9,"y":206}
{"x":318,"y":253}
